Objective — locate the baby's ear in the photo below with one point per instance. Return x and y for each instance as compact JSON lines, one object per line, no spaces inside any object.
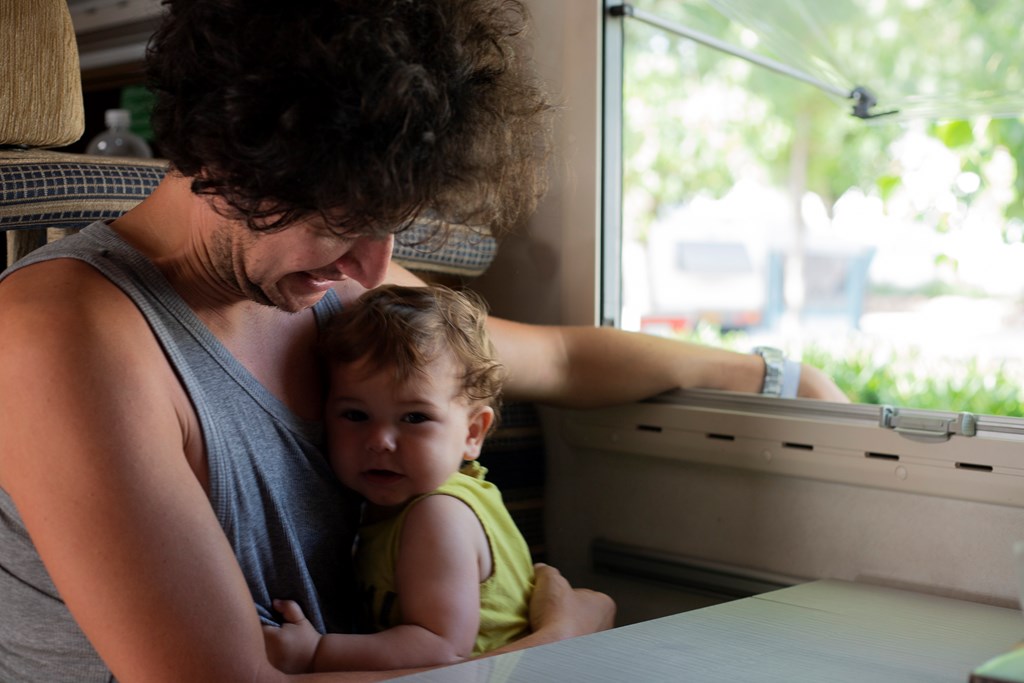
{"x":479,"y":425}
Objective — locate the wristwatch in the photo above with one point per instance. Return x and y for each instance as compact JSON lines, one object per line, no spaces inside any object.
{"x":774,"y":369}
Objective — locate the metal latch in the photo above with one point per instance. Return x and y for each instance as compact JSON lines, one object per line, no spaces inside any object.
{"x":928,"y":428}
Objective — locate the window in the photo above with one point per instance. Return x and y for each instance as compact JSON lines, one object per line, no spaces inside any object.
{"x":800,"y":488}
{"x":750,"y":206}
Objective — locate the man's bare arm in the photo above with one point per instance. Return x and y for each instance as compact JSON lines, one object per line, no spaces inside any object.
{"x":92,"y":439}
{"x":596,"y":366}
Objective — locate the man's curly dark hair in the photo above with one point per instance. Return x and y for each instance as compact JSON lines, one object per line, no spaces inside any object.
{"x":366,"y":112}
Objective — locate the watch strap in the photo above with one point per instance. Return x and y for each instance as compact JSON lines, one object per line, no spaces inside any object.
{"x":774,"y":370}
{"x":790,"y":379}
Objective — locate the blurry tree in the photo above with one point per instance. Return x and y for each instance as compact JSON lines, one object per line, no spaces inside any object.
{"x":696,"y":119}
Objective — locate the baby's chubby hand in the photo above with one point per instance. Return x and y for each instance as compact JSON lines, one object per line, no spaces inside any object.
{"x":292,"y":646}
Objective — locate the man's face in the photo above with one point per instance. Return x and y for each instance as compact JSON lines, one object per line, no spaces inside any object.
{"x":293,"y":268}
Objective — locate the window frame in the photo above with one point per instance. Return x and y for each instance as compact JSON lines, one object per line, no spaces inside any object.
{"x":612,"y":55}
{"x":895,"y":423}
{"x":616,"y":14}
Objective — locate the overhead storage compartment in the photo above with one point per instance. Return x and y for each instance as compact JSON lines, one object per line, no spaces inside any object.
{"x":112,"y":34}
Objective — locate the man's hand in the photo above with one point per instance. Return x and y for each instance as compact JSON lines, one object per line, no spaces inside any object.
{"x":567,"y":612}
{"x":292,"y":646}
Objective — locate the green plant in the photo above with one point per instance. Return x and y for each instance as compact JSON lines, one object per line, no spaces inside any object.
{"x":909,"y":379}
{"x":904,"y":377}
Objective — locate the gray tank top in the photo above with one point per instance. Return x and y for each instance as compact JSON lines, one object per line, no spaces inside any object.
{"x":288,"y":519}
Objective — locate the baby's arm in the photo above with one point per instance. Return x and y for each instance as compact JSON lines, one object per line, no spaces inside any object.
{"x":443,"y":557}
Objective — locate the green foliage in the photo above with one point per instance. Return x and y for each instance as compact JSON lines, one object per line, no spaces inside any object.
{"x":954,"y":133}
{"x":903,"y":377}
{"x":1009,"y":134}
{"x":677,"y":146}
{"x":887,"y":184}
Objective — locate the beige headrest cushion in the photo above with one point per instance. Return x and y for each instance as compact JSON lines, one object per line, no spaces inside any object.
{"x":40,"y":83}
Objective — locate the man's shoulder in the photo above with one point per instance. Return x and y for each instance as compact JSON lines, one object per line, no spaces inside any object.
{"x":59,"y":285}
{"x":66,"y":301}
{"x":67,"y":329}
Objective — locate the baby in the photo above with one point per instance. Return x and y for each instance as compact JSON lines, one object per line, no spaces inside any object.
{"x":414,"y":390}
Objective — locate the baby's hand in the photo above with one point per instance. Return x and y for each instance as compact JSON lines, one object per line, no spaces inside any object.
{"x":292,"y":646}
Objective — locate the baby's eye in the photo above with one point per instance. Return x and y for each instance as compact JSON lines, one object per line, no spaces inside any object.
{"x":353,"y":415}
{"x":415,"y":418}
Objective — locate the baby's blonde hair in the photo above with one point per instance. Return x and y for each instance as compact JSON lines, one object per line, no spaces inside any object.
{"x":407,"y":328}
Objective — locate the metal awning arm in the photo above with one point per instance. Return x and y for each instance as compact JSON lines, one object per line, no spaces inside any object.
{"x":862,"y":98}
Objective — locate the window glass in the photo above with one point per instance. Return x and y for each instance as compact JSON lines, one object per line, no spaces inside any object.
{"x":756,"y":209}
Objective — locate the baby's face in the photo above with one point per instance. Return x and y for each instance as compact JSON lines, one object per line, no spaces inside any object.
{"x":392,"y":441}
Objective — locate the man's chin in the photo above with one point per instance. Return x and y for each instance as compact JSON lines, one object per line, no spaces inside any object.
{"x":291,"y":298}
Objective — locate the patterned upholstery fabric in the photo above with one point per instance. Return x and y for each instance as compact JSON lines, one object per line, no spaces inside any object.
{"x":466,"y":253}
{"x":41,"y":189}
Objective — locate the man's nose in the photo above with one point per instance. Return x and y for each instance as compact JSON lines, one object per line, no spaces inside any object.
{"x":367,"y":259}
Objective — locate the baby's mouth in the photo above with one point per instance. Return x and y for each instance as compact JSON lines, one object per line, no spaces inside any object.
{"x":382,"y":477}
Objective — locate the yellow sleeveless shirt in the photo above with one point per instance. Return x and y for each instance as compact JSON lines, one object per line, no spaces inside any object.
{"x":504,"y":595}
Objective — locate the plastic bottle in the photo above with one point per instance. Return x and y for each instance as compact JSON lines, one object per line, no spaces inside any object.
{"x":117,"y":140}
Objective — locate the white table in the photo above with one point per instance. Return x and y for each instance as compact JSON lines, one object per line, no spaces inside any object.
{"x":824,"y":631}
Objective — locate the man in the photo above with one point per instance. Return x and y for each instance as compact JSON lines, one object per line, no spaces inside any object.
{"x":160,"y":398}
